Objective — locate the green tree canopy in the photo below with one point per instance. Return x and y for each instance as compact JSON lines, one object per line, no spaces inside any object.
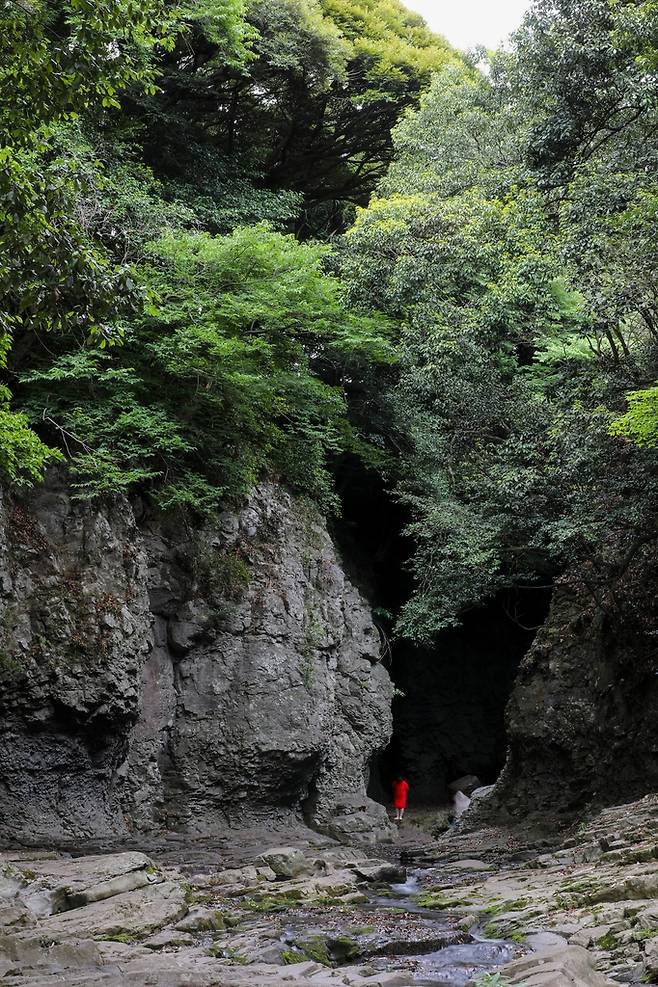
{"x":583,"y":72}
{"x":57,"y":60}
{"x":311,"y":112}
{"x":525,"y":312}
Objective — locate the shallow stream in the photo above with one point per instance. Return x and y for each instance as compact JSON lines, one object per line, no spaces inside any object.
{"x":455,"y":964}
{"x":393,"y":932}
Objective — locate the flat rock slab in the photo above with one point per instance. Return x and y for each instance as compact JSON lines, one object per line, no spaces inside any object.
{"x":58,"y":884}
{"x":471,"y":865}
{"x":545,"y":942}
{"x":569,"y":966}
{"x":14,"y":916}
{"x":169,"y":939}
{"x":134,"y":914}
{"x":200,"y":971}
{"x":18,"y":956}
{"x":82,"y":872}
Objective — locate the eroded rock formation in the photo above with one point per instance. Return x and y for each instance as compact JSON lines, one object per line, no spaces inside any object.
{"x":156,"y":675}
{"x":583,"y":717}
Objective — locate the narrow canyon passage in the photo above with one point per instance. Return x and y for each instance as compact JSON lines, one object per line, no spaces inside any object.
{"x":449,"y":715}
{"x":449,"y":709}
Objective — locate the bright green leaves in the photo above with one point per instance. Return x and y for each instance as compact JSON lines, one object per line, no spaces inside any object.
{"x":23,"y":456}
{"x":293,"y":36}
{"x":635,"y":30}
{"x":391,"y":49}
{"x":223,"y":23}
{"x":249,"y":317}
{"x":224,"y":380}
{"x":640,"y":422}
{"x":265,"y":290}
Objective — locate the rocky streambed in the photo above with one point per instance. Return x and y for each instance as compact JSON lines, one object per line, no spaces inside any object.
{"x":488,"y":907}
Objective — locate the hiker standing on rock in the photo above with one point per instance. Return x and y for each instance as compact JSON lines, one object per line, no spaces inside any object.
{"x":400,"y":792}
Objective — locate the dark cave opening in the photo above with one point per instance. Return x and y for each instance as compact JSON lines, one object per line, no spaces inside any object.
{"x":449,"y":713}
{"x":450,"y":719}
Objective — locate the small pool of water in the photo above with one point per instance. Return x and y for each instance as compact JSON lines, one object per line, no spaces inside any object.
{"x":455,"y":965}
{"x":452,"y":965}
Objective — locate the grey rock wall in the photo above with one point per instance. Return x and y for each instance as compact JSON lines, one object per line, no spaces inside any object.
{"x":582,"y":721}
{"x":154,"y":675}
{"x":74,"y":631}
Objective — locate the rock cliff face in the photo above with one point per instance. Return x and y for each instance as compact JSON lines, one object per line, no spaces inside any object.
{"x":153,"y":675}
{"x":583,"y":718}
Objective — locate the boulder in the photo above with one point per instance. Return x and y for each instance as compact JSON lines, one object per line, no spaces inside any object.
{"x":11,"y":880}
{"x":234,"y":876}
{"x":354,"y":978}
{"x":651,"y":958}
{"x":466,"y":784}
{"x":647,"y":917}
{"x":565,"y":966}
{"x":380,"y":870}
{"x":354,"y":818}
{"x":201,"y":920}
{"x":590,"y":935}
{"x":337,"y":858}
{"x":286,"y":861}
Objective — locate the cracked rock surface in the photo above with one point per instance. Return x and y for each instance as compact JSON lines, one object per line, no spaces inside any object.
{"x":307,"y":911}
{"x":155,"y":675}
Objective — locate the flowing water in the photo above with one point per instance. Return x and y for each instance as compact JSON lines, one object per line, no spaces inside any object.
{"x":453,"y":965}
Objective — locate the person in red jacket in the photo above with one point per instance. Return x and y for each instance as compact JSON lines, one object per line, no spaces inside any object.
{"x":400,"y":792}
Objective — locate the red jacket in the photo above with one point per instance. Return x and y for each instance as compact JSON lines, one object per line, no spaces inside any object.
{"x":400,"y":791}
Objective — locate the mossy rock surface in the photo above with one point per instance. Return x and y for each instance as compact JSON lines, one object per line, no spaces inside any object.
{"x":439,"y":902}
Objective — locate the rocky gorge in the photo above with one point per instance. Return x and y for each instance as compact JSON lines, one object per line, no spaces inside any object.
{"x":230,"y":912}
{"x":328,"y":479}
{"x":190,"y":721}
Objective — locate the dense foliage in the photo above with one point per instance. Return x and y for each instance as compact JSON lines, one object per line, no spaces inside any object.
{"x":57,"y":60}
{"x":139,"y":343}
{"x":178,"y":314}
{"x":308,"y":112}
{"x":514,"y":237}
{"x":214,"y":385}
